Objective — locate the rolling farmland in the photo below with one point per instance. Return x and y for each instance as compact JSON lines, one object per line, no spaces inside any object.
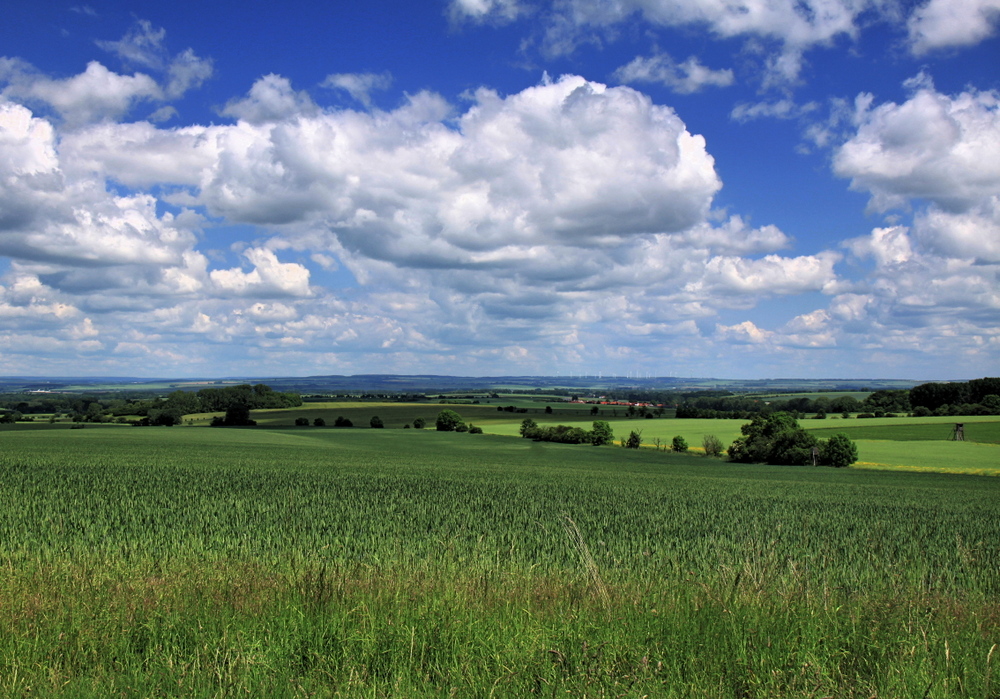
{"x":413,"y":563}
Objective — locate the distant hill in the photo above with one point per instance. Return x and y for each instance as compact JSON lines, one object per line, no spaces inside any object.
{"x":431,"y":383}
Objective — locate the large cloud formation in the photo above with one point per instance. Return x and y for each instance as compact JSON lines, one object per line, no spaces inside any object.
{"x":791,"y":27}
{"x":567,"y":224}
{"x":932,"y":288}
{"x":531,"y":220}
{"x":928,"y":290}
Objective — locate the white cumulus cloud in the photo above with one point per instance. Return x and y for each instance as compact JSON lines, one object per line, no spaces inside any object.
{"x":935,"y":147}
{"x":94,"y":95}
{"x":938,"y":153}
{"x":499,"y":11}
{"x":269,"y":277}
{"x":270,"y":99}
{"x":939,"y":24}
{"x":684,"y":78}
{"x":359,"y":85}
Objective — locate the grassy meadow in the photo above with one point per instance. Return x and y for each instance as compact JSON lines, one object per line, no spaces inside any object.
{"x":901,"y":443}
{"x":917,"y":444}
{"x":407,"y":563}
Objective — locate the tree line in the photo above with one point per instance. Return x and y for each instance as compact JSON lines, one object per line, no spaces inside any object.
{"x":976,"y":397}
{"x":600,"y":434}
{"x":154,"y":410}
{"x":772,"y":438}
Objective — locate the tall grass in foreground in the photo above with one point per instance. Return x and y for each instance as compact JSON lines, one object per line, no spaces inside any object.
{"x":162,"y":564}
{"x":222,"y":628}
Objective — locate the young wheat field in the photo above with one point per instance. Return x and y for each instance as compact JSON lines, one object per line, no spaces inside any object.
{"x":409,"y":563}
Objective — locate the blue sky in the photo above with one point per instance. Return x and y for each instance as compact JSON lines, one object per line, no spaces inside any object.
{"x":793,"y":188}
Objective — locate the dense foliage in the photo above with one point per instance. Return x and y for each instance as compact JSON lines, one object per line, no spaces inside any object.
{"x":982,"y":396}
{"x":601,"y":434}
{"x":158,"y":410}
{"x":449,"y":421}
{"x":776,"y":438}
{"x":976,"y":397}
{"x":634,"y":440}
{"x":236,"y":416}
{"x":838,"y":451}
{"x":712,"y":445}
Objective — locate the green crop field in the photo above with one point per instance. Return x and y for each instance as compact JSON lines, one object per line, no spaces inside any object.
{"x":348,"y":563}
{"x":664,"y":429}
{"x":396,"y":415}
{"x":943,"y":457}
{"x":985,"y":430}
{"x":813,"y":395}
{"x":919,"y":444}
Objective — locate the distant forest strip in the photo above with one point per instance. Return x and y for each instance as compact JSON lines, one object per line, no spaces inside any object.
{"x":976,"y":397}
{"x":85,"y":408}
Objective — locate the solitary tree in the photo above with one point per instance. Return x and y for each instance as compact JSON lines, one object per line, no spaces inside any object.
{"x":448,"y":421}
{"x":528,"y":427}
{"x":167,"y":417}
{"x":634,"y":440}
{"x":838,"y":451}
{"x":778,"y":439}
{"x":679,"y":444}
{"x":236,"y":416}
{"x":376,"y":422}
{"x":602,"y":433}
{"x":419,"y":423}
{"x":774,"y":438}
{"x":712,"y":445}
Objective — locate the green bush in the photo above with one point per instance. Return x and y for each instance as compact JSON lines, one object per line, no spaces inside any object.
{"x":778,"y":439}
{"x":602,"y":433}
{"x":448,"y":421}
{"x":773,"y":439}
{"x":236,"y":416}
{"x":634,"y":440}
{"x":838,"y":451}
{"x":678,"y":444}
{"x":712,"y":445}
